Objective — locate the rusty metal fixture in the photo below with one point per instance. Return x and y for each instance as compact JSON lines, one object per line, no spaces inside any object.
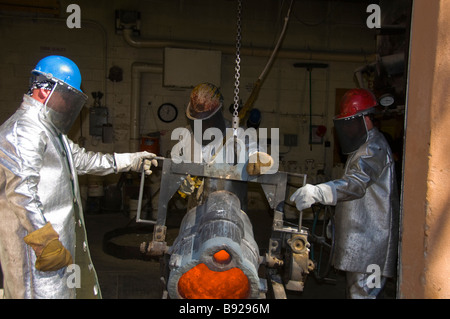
{"x":299,"y":264}
{"x":158,"y":246}
{"x":215,"y":242}
{"x":289,"y":248}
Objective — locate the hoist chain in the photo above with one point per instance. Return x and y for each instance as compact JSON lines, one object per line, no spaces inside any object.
{"x":237,"y":68}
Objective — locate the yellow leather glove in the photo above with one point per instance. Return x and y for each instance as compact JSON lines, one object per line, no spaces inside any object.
{"x":259,"y":163}
{"x":51,"y":255}
{"x":189,"y":185}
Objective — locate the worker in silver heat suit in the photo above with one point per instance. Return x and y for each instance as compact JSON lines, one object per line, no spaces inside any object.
{"x":43,"y":246}
{"x":205,"y":112}
{"x":366,"y":199}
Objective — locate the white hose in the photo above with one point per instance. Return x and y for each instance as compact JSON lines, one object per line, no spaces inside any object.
{"x":280,"y":39}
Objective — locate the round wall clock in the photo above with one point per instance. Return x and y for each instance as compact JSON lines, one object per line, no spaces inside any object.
{"x":167,"y":112}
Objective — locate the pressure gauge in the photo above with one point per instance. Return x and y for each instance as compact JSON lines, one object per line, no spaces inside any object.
{"x":167,"y":112}
{"x":387,"y":100}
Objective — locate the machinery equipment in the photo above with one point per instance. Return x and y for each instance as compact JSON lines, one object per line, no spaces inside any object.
{"x":215,"y":254}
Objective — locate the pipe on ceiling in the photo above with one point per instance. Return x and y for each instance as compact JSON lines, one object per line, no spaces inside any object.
{"x":360,"y":57}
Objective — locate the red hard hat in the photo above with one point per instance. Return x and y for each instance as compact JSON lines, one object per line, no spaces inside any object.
{"x":356,"y":101}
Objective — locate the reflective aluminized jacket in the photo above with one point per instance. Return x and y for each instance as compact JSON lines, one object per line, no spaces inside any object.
{"x":367,"y":210}
{"x":38,"y":184}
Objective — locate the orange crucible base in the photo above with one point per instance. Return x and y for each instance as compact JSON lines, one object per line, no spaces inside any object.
{"x":202,"y":283}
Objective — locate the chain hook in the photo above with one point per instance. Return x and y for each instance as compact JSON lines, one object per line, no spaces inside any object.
{"x":237,"y":69}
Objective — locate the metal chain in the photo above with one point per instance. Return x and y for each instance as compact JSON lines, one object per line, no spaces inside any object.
{"x":237,"y":68}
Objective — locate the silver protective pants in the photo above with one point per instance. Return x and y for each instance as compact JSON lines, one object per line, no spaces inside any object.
{"x":363,"y":286}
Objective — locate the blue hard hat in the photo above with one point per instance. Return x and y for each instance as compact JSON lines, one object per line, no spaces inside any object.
{"x":255,"y":116}
{"x":254,"y":119}
{"x":60,"y":68}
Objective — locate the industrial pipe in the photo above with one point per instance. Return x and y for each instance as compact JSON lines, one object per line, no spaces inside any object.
{"x":360,"y":57}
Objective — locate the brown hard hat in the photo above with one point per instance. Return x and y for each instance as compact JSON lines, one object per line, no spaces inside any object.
{"x":205,"y":101}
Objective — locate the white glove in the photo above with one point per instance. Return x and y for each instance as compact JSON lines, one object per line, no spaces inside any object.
{"x":133,"y":162}
{"x":309,"y":194}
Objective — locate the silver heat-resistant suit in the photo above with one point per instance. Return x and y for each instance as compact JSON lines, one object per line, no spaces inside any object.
{"x":366,"y":215}
{"x":367,"y":210}
{"x":38,"y":173}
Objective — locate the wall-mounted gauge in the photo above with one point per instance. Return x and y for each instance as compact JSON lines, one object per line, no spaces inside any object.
{"x":167,"y":112}
{"x":387,"y":100}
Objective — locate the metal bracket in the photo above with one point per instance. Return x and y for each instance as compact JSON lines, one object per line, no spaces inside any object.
{"x":173,"y":175}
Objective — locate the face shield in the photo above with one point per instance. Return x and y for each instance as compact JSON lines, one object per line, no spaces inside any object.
{"x":63,"y":106}
{"x":351,"y":131}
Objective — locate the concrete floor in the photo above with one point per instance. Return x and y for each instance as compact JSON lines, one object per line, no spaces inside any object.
{"x":122,"y":276}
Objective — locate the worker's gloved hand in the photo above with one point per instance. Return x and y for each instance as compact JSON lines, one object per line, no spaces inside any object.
{"x":309,"y":194}
{"x":134,"y":161}
{"x":51,"y":255}
{"x":259,"y":163}
{"x":189,"y":185}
